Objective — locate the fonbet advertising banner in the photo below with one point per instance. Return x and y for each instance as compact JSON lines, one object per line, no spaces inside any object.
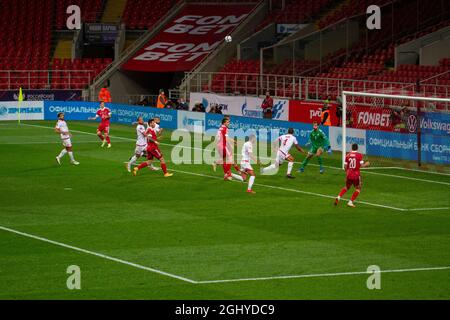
{"x":188,"y":38}
{"x":29,"y":110}
{"x":240,"y":105}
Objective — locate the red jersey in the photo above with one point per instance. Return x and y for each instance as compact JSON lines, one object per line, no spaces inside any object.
{"x":221,"y":137}
{"x":151,"y":133}
{"x":104,"y":115}
{"x":353,"y":162}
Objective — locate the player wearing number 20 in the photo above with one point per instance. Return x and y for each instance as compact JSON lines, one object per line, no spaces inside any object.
{"x":353,"y":162}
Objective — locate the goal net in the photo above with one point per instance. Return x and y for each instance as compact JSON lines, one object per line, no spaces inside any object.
{"x":398,"y":129}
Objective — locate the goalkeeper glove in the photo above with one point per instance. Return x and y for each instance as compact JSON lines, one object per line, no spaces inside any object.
{"x":308,"y":144}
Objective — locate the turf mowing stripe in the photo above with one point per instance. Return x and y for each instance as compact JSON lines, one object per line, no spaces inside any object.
{"x":281,"y":188}
{"x":330,"y":167}
{"x":321,"y":275}
{"x":294,"y":190}
{"x":138,"y":266}
{"x":135,"y":265}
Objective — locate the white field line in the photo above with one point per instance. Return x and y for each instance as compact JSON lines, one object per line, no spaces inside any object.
{"x":321,"y":275}
{"x":275,"y":187}
{"x":46,"y":142}
{"x":174,"y":276}
{"x":104,"y":256}
{"x":292,"y":190}
{"x":330,"y":167}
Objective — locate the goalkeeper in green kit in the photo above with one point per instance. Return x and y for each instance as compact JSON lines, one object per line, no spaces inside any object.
{"x":319,"y":143}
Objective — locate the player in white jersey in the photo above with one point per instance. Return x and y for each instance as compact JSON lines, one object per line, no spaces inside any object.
{"x":247,"y":157}
{"x":141,"y":143}
{"x":63,"y":130}
{"x":284,"y":144}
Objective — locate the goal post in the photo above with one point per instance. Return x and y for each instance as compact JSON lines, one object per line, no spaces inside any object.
{"x":397,"y":129}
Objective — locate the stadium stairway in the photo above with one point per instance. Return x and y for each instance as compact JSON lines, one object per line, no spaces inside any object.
{"x":113,"y":11}
{"x":63,"y":49}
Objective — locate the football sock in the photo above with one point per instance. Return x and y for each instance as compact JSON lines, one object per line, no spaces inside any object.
{"x":237,"y":177}
{"x":320,"y":160}
{"x":343,"y":191}
{"x":305,"y":162}
{"x":269,"y":168}
{"x":108,"y":140}
{"x":71,"y":156}
{"x":289,"y":169}
{"x":164,"y":168}
{"x":100,"y":136}
{"x":63,"y":153}
{"x":236,"y":167}
{"x":250,"y":182}
{"x":354,"y":195}
{"x":142,"y":165}
{"x":133,"y":160}
{"x":226,"y":168}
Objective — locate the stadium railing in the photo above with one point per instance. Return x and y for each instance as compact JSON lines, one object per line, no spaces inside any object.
{"x":308,"y":88}
{"x":45,"y":79}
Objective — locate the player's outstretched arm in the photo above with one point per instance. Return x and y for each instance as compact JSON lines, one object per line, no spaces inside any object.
{"x":93,"y":118}
{"x":365,"y":164}
{"x":299,"y":148}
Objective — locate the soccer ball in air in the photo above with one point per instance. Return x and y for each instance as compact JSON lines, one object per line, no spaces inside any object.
{"x":228,"y":39}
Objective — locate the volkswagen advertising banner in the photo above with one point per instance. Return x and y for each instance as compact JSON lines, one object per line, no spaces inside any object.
{"x":240,"y":105}
{"x":29,"y":110}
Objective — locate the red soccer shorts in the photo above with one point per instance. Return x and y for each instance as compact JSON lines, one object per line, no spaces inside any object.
{"x":353,"y":181}
{"x":103,"y":128}
{"x":154,"y":153}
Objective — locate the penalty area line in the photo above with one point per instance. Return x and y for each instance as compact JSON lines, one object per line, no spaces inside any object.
{"x":330,"y":167}
{"x":322,"y":275}
{"x":286,"y":189}
{"x":100,"y":255}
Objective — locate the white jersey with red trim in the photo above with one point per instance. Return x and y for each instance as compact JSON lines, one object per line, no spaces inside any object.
{"x":63,"y":128}
{"x":141,"y":137}
{"x":286,"y":143}
{"x":247,"y":150}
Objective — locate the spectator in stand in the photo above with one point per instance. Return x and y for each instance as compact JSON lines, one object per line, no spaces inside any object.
{"x":267,"y":106}
{"x":198,"y":107}
{"x":162,"y":100}
{"x":104,"y":95}
{"x":325,"y":118}
{"x":215,"y":109}
{"x":182,"y":105}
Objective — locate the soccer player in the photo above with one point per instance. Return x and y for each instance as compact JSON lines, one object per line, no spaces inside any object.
{"x":63,"y":130}
{"x":224,"y":147}
{"x":141,"y":143}
{"x":353,"y":162}
{"x":152,"y":151}
{"x":284,"y":144}
{"x":246,"y":167}
{"x":158,"y":131}
{"x":319,"y":142}
{"x":105,"y":115}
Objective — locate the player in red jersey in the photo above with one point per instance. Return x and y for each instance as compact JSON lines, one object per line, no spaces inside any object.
{"x":152,"y":150}
{"x":224,"y":147}
{"x":353,"y":162}
{"x":105,"y":115}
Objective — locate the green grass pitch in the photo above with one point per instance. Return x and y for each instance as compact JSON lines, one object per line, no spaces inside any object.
{"x":175,"y":237}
